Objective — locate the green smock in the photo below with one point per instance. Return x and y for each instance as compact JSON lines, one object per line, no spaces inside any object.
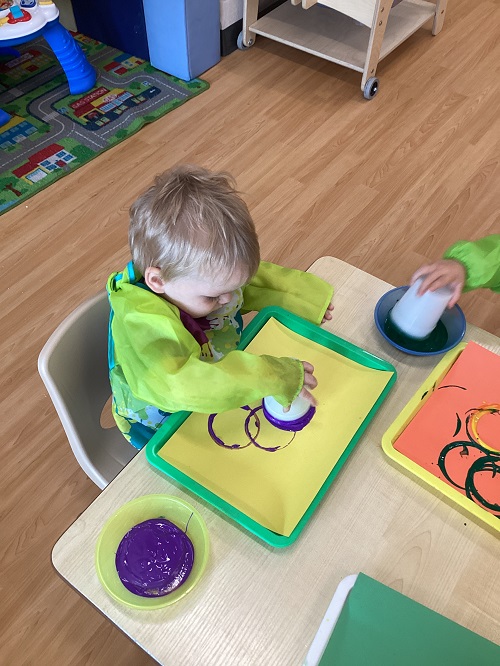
{"x":162,"y":360}
{"x":481,"y":260}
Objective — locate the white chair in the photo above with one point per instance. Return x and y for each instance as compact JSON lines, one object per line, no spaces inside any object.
{"x":74,"y":367}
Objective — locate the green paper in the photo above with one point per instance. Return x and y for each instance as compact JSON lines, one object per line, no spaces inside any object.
{"x":379,"y":626}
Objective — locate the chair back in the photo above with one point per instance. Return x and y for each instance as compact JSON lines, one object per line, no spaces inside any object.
{"x":73,"y":365}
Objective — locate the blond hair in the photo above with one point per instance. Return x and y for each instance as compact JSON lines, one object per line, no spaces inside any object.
{"x":193,"y":222}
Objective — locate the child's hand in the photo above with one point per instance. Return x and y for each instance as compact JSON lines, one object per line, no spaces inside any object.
{"x":442,"y":273}
{"x":310,"y":382}
{"x":328,"y":314}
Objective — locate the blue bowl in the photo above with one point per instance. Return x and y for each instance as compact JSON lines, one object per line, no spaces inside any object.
{"x":453,"y":321}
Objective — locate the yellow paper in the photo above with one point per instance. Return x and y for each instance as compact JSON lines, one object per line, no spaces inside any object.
{"x":276,"y":487}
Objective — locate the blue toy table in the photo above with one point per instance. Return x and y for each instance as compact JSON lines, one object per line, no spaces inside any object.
{"x":27,"y":19}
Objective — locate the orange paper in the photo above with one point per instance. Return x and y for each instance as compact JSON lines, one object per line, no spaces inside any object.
{"x":456,"y":434}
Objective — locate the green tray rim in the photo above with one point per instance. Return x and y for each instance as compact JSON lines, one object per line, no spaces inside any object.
{"x":316,"y":334}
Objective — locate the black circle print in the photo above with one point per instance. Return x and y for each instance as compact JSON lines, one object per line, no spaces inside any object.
{"x":480,"y":457}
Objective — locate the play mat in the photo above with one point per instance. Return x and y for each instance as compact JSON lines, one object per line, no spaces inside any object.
{"x":51,"y":132}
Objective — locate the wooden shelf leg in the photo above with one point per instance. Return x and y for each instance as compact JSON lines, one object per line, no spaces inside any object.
{"x":250,"y":14}
{"x":439,"y":16}
{"x":379,"y":24}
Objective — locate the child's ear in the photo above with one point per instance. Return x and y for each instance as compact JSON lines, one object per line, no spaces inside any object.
{"x":154,"y":280}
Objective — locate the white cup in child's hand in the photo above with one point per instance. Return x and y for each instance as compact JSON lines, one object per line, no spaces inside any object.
{"x":297,"y":409}
{"x":417,"y":316}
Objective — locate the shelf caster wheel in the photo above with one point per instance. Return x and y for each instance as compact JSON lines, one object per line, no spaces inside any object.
{"x":241,"y":44}
{"x":371,"y":88}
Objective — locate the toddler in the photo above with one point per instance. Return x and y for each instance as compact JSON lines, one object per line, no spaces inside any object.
{"x":176,"y":310}
{"x":466,"y":265}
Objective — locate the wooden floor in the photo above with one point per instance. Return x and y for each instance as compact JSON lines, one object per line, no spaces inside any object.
{"x":385,"y":185}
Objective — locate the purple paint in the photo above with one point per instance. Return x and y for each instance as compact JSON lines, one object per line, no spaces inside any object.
{"x":292,"y":426}
{"x":218,"y":440}
{"x":154,"y":558}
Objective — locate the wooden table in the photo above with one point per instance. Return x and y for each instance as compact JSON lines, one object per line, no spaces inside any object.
{"x":259,"y":605}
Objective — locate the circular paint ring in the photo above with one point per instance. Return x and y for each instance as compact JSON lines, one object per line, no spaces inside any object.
{"x":490,"y":464}
{"x":474,"y":419}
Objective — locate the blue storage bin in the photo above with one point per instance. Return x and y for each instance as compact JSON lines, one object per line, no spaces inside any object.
{"x":122,"y":27}
{"x":183,"y":35}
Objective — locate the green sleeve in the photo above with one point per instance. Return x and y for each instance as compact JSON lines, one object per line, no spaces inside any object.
{"x":160,"y":361}
{"x":481,"y":259}
{"x":302,"y":293}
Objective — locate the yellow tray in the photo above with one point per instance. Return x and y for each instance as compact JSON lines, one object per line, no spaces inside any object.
{"x":394,"y":431}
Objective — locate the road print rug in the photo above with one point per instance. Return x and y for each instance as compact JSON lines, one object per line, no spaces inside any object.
{"x":51,"y":133}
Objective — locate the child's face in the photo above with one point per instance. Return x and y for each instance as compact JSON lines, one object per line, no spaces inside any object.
{"x":198,"y":296}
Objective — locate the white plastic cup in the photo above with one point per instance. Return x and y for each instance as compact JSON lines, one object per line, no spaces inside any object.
{"x":417,"y":316}
{"x":298,"y":408}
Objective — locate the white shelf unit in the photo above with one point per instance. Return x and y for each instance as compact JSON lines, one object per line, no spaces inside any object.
{"x":358,"y":40}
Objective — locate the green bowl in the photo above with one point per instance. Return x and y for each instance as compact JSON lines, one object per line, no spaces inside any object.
{"x":138,"y":510}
